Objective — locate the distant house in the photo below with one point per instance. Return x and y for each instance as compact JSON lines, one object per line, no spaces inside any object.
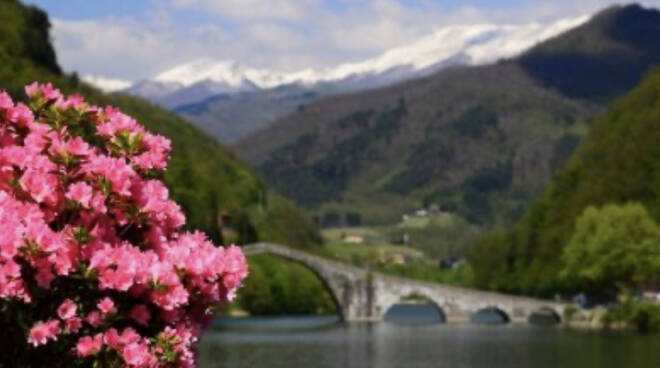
{"x":353,"y":239}
{"x":422,"y":213}
{"x":397,"y":258}
{"x":652,"y":296}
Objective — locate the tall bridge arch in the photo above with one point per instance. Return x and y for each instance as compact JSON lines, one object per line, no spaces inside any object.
{"x":366,"y":296}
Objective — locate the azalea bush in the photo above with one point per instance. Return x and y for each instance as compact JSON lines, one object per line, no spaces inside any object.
{"x":94,"y":268}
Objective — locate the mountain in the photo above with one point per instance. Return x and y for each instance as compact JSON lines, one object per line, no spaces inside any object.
{"x":478,"y":141}
{"x":619,"y":162}
{"x":473,"y":44}
{"x":601,"y":60}
{"x":155,"y":90}
{"x":203,"y":90}
{"x":196,"y":81}
{"x":230,"y":116}
{"x":203,"y":176}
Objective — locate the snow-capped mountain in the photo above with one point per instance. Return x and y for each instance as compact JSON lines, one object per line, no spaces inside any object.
{"x":107,"y":84}
{"x":451,"y":45}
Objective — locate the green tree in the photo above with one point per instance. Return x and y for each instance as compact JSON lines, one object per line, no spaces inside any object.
{"x":616,"y":245}
{"x":280,"y":287}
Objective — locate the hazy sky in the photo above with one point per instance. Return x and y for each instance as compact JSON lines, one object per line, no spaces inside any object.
{"x":135,"y":39}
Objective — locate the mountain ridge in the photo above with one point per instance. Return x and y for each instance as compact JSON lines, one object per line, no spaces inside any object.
{"x":481,"y":43}
{"x":258,"y":96}
{"x":477,"y":141}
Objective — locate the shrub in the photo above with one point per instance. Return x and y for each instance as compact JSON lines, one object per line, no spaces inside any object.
{"x":94,"y":270}
{"x":570,"y":313}
{"x":641,"y":315}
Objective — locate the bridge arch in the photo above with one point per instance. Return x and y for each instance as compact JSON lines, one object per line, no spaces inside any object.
{"x":391,"y":295}
{"x":414,"y":309}
{"x":491,"y":315}
{"x":544,"y":316}
{"x":337,"y":284}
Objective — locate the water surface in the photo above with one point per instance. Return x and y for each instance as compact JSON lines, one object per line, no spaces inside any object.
{"x":287,"y":342}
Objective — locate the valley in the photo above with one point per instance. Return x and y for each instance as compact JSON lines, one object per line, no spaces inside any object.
{"x":437,"y":161}
{"x":329,"y":183}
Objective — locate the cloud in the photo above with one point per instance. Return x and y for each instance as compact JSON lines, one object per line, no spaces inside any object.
{"x":128,"y":49}
{"x":290,"y":10}
{"x":284,"y":35}
{"x":275,"y":36}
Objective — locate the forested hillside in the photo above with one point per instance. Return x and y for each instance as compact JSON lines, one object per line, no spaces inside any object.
{"x":618,"y":163}
{"x":601,"y":59}
{"x":458,"y":139}
{"x":476,"y":141}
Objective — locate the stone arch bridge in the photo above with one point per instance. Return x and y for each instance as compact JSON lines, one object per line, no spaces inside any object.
{"x":362,"y":295}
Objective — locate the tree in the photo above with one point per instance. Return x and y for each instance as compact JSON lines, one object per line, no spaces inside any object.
{"x":613,"y":246}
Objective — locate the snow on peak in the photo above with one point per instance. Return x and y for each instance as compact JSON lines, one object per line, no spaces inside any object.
{"x":467,"y":44}
{"x":481,"y":43}
{"x":106,"y":84}
{"x":227,"y":72}
{"x":477,"y":44}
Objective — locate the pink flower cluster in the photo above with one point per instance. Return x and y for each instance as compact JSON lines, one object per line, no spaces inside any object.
{"x":90,"y":243}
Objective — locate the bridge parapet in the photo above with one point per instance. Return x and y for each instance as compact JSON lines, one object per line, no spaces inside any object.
{"x":366,"y":296}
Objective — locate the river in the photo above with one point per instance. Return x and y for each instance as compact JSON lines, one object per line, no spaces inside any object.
{"x":322,"y":342}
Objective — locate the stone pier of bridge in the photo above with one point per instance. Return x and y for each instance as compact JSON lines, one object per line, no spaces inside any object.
{"x":362,"y":295}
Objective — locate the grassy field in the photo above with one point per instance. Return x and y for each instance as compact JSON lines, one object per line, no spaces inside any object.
{"x":381,"y":248}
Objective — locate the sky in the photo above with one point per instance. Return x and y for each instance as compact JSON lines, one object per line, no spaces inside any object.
{"x":134,"y":40}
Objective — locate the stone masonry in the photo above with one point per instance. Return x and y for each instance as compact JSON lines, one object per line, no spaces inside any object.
{"x":366,"y":296}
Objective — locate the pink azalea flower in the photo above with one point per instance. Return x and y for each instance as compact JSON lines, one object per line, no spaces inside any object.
{"x":6,"y":102}
{"x":77,"y":146}
{"x":94,"y":318}
{"x":41,"y":186}
{"x":74,"y":101}
{"x":49,"y":92}
{"x":98,"y":203}
{"x":32,"y":89}
{"x":80,"y":192}
{"x":41,"y":332}
{"x":20,"y":114}
{"x":88,"y":345}
{"x":44,"y":278}
{"x":136,"y":354}
{"x":106,"y":306}
{"x":67,"y":309}
{"x":112,"y":339}
{"x":73,"y":324}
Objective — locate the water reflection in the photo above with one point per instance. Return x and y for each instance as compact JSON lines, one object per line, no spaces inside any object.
{"x":544,"y":318}
{"x":275,"y":323}
{"x":387,"y":345}
{"x":415,"y":314}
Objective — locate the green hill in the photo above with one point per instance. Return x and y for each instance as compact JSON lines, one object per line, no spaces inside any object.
{"x":204,"y":177}
{"x":619,"y":162}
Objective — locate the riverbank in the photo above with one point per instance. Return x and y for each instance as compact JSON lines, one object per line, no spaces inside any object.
{"x":587,"y":319}
{"x":643,"y":316}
